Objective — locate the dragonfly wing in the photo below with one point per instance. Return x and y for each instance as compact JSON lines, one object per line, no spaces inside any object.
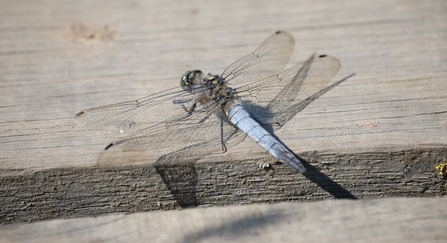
{"x":268,"y":59}
{"x":231,"y":137}
{"x":138,"y":114}
{"x":277,"y":99}
{"x":178,"y":141}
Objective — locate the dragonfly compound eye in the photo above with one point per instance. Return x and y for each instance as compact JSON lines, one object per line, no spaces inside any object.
{"x":184,"y":81}
{"x":189,"y":78}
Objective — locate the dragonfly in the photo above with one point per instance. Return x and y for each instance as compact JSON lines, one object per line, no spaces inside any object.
{"x":252,"y":97}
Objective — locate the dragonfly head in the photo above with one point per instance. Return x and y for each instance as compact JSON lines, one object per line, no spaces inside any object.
{"x":189,"y":78}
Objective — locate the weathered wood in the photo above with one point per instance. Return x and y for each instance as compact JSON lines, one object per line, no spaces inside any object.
{"x":379,"y":220}
{"x":77,"y":192}
{"x":378,"y":134}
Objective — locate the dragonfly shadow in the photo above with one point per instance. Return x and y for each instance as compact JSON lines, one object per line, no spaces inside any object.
{"x":180,"y":178}
{"x":326,"y":183}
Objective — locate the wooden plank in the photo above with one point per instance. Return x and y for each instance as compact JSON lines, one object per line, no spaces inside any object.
{"x":378,"y":134}
{"x":379,"y":220}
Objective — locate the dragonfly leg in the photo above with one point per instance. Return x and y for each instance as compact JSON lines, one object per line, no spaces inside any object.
{"x":189,"y":112}
{"x":224,"y":148}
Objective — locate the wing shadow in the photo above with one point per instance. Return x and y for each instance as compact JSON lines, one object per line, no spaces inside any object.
{"x":181,"y":181}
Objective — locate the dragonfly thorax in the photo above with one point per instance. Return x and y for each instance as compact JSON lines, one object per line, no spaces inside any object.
{"x":223,"y":94}
{"x":212,"y":81}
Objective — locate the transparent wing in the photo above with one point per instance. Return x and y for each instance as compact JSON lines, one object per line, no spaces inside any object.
{"x":138,"y":114}
{"x":175,"y":125}
{"x":275,"y":100}
{"x":268,"y":59}
{"x":182,"y":141}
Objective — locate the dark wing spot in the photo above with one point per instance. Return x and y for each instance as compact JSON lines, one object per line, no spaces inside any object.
{"x":321,"y":56}
{"x":79,"y":114}
{"x":108,"y":146}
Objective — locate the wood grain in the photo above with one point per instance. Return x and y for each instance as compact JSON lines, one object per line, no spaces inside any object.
{"x":379,"y":220}
{"x":378,"y":134}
